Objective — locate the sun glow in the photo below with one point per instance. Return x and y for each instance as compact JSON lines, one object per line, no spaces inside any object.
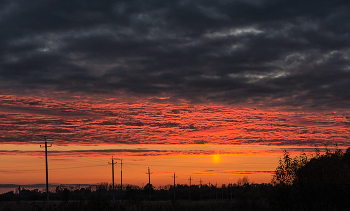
{"x":216,"y":158}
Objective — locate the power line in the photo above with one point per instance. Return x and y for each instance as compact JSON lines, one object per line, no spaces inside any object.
{"x":131,"y":169}
{"x":53,"y":169}
{"x":135,"y":164}
{"x":52,"y":165}
{"x":74,"y":167}
{"x":89,"y":159}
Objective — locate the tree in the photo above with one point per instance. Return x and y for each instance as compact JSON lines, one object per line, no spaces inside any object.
{"x":285,"y":171}
{"x":321,"y":182}
{"x":243,"y":181}
{"x":65,"y":195}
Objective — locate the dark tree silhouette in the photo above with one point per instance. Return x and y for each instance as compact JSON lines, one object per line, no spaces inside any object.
{"x":65,"y":195}
{"x":287,"y":167}
{"x":318,"y":183}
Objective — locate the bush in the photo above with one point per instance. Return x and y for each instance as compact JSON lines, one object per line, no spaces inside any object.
{"x":321,"y":182}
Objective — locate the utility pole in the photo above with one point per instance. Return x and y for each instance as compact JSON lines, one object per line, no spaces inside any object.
{"x":209,"y":190}
{"x":190,"y":179}
{"x":47,"y":172}
{"x":200,"y":187}
{"x":121,"y":178}
{"x":113,"y":175}
{"x":216,"y":191}
{"x":149,"y":185}
{"x":174,"y":186}
{"x":222,"y":191}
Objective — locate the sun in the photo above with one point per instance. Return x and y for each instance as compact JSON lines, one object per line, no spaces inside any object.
{"x":216,"y":158}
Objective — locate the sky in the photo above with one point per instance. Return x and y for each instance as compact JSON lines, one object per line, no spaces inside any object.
{"x":212,"y":89}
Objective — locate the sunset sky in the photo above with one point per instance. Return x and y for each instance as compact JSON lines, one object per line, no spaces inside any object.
{"x":212,"y":89}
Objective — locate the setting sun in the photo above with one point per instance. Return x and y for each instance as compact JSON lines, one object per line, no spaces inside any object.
{"x":216,"y":158}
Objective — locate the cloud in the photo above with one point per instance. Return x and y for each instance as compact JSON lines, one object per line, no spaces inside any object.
{"x":110,"y":121}
{"x":57,"y":152}
{"x":269,"y":53}
{"x":170,"y":72}
{"x":218,"y":172}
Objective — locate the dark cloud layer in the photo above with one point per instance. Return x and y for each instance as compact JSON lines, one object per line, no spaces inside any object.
{"x":268,"y":52}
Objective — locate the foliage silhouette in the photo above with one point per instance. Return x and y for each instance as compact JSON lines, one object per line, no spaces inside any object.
{"x":321,"y":182}
{"x":99,"y":197}
{"x":285,"y":172}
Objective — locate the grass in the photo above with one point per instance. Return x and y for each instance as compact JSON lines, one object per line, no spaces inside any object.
{"x":260,"y":205}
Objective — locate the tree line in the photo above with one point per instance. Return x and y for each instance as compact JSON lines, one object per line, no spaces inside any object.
{"x":317,"y":182}
{"x":239,"y":190}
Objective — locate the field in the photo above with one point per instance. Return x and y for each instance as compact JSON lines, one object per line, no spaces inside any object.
{"x":136,"y":205}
